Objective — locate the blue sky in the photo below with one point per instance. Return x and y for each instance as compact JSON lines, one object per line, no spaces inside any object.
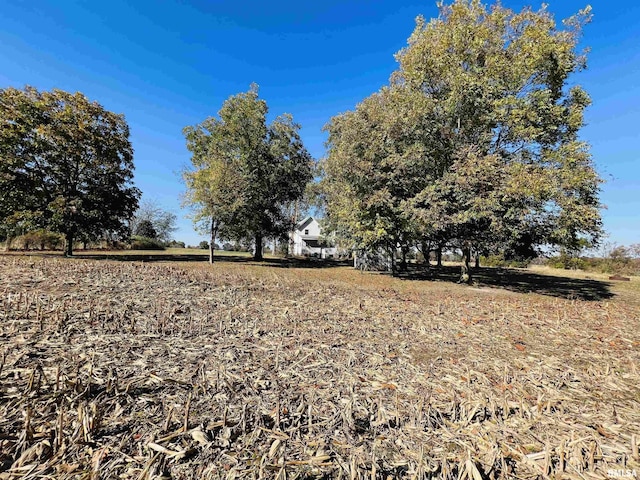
{"x":168,"y":64}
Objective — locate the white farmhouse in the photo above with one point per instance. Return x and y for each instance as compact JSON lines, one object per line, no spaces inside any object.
{"x":308,"y":240}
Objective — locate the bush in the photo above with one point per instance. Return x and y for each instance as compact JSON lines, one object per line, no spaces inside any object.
{"x":615,"y":260}
{"x":175,"y":244}
{"x":618,"y":260}
{"x":203,"y":245}
{"x":39,"y":240}
{"x":113,"y":245}
{"x":235,"y":247}
{"x":567,"y":262}
{"x":501,"y":261}
{"x":144,"y":243}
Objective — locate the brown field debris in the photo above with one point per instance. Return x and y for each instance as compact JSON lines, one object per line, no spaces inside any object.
{"x":155,"y":370}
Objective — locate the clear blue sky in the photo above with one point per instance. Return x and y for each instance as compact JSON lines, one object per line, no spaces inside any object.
{"x":172,"y":63}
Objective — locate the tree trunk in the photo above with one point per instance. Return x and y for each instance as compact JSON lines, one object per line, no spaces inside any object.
{"x":477,"y":260}
{"x":7,"y":245}
{"x":68,"y":247}
{"x":394,"y":265}
{"x":294,"y":222}
{"x":426,"y":255}
{"x":465,"y":275}
{"x":439,"y":256}
{"x":403,"y":264}
{"x":257,"y":256}
{"x":212,"y":243}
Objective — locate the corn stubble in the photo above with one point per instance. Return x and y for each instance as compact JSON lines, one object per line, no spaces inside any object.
{"x":132,"y":370}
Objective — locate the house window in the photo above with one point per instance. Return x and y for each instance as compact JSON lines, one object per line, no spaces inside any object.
{"x":306,"y":232}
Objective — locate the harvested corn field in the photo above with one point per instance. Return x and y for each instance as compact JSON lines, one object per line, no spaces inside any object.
{"x":119,"y":369}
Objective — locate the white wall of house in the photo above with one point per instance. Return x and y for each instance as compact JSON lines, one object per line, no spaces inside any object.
{"x":306,"y":237}
{"x":309,"y":227}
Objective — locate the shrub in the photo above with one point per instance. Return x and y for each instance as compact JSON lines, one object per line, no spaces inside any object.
{"x":616,"y":259}
{"x":114,"y":245}
{"x":234,"y":247}
{"x":144,"y":243}
{"x":567,"y":262}
{"x":203,"y":245}
{"x":39,"y":240}
{"x":175,"y":244}
{"x":501,"y":261}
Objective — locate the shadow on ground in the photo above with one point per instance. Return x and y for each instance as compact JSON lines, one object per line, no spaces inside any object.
{"x":518,"y":280}
{"x":204,"y":257}
{"x":515,"y":280}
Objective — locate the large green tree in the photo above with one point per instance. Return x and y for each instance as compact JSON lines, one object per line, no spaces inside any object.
{"x":378,"y":160}
{"x":245,"y":172}
{"x":503,"y":162}
{"x":66,"y":164}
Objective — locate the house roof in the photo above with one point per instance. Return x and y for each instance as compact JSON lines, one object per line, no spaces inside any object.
{"x":304,"y":223}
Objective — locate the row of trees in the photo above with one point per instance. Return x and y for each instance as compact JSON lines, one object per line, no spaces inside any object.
{"x":473,"y":144}
{"x":66,"y":166}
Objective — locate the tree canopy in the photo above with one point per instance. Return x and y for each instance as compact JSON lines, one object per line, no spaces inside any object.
{"x":66,"y":164}
{"x":474,"y":143}
{"x":245,"y":172}
{"x":151,"y":221}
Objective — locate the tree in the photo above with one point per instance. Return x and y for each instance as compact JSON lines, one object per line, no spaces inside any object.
{"x":176,"y":244}
{"x":66,"y":163}
{"x":146,"y":229}
{"x":215,"y":183}
{"x":497,"y":145}
{"x":508,"y":125}
{"x":154,"y":219}
{"x":245,"y":172}
{"x":377,"y":162}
